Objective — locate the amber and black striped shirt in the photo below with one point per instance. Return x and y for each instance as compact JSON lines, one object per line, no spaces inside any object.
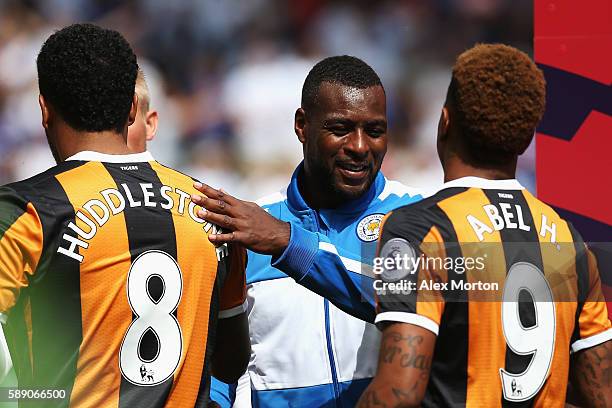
{"x":508,"y":286}
{"x":109,"y":285}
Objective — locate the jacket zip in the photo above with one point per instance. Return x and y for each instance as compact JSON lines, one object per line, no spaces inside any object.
{"x":330,"y":350}
{"x":332,"y":360}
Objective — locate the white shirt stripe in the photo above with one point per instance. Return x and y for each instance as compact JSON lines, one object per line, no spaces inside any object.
{"x":479,"y":182}
{"x":412,"y":318}
{"x":234,"y":311}
{"x":592,"y":341}
{"x":87,"y":155}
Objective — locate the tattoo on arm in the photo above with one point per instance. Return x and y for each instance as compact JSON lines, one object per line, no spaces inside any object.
{"x":405,"y":395}
{"x":369,"y":400}
{"x":591,"y":374}
{"x":403,"y":368}
{"x":403,"y":349}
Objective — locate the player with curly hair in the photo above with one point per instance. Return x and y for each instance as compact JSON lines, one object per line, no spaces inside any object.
{"x":111,"y":293}
{"x":447,"y":345}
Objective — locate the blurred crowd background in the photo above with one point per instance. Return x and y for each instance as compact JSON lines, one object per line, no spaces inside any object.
{"x":226,"y":76}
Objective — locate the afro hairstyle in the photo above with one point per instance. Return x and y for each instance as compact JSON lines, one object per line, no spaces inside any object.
{"x":497,"y":95}
{"x":88,"y":73}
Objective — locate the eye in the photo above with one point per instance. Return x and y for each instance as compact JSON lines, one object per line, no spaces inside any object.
{"x":339,"y":130}
{"x":376,"y":131}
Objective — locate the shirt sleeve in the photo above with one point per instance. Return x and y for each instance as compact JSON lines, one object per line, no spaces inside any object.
{"x":315,"y":263}
{"x":232,"y":301}
{"x":21,"y":244}
{"x":593,"y":324}
{"x":407,"y":284}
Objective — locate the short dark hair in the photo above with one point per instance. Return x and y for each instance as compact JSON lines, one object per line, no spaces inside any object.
{"x":87,"y":73}
{"x":497,"y":94}
{"x":343,"y":69}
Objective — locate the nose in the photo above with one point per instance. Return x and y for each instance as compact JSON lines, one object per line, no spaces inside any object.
{"x":357,"y":144}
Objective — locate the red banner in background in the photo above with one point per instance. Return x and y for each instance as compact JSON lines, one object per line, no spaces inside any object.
{"x":573,"y":46}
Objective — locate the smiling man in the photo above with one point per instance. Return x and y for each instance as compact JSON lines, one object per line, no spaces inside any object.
{"x":337,"y":110}
{"x":321,"y":231}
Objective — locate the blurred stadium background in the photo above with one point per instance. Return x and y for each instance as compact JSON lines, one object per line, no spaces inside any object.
{"x":226,"y":76}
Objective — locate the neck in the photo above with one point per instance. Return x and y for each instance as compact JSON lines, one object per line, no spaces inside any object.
{"x":71,"y":142}
{"x":455,"y":167}
{"x":315,"y":193}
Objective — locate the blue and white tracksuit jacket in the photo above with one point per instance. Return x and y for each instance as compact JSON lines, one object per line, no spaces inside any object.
{"x":307,"y":352}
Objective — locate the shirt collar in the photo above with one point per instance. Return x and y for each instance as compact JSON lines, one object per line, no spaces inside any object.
{"x":296,"y":201}
{"x":479,"y":182}
{"x":88,"y":155}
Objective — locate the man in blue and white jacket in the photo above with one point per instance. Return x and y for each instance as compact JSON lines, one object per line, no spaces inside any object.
{"x":306,"y":351}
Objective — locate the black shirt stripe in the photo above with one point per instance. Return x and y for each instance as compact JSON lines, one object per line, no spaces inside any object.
{"x":519,"y":246}
{"x":148,"y":228}
{"x":203,"y":398}
{"x":582,"y":275}
{"x":450,"y":360}
{"x":53,"y":295}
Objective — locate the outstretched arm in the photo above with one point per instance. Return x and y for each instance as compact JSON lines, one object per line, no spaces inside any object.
{"x":308,"y":257}
{"x":404,"y":364}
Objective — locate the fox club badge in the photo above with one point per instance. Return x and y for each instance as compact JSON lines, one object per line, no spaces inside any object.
{"x":368,"y":228}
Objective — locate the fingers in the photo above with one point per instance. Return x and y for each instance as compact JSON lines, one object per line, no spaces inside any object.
{"x":216,"y":209}
{"x":219,"y":239}
{"x":214,"y":194}
{"x":206,"y":189}
{"x":211,"y":204}
{"x":222,"y":220}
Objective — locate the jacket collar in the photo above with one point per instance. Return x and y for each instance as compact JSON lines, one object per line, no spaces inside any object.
{"x":296,"y":201}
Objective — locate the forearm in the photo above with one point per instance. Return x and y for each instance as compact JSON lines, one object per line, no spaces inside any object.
{"x":352,"y":294}
{"x":315,"y":263}
{"x":591,"y":373}
{"x":403,"y":367}
{"x":380,"y":394}
{"x":307,"y":257}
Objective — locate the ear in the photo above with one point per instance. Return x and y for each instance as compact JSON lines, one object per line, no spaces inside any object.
{"x":133,"y":110}
{"x":151,"y":124}
{"x":299,"y":125}
{"x":44,"y":110}
{"x":444,"y":124}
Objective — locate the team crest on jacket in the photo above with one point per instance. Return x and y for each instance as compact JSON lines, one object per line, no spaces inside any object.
{"x":368,"y":228}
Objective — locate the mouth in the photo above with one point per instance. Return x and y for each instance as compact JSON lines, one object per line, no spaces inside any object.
{"x":353,"y":171}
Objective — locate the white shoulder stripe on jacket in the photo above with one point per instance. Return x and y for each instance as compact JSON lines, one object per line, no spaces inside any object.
{"x":272,"y":198}
{"x":397,"y":188}
{"x":350,"y":264}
